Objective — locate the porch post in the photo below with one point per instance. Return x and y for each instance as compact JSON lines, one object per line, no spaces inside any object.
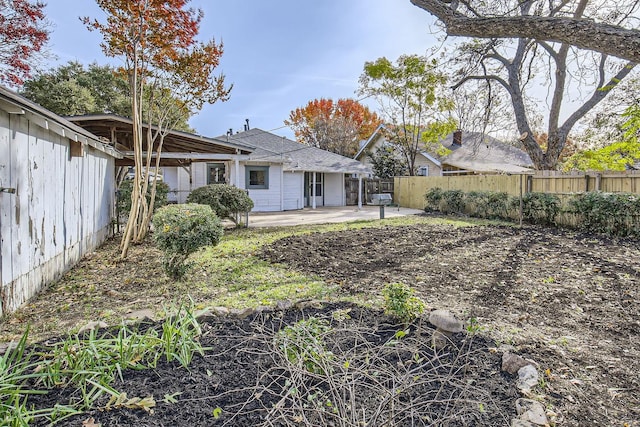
{"x":359,"y":191}
{"x":237,"y":165}
{"x":313,"y":191}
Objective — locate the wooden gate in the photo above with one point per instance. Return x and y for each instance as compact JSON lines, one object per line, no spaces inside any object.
{"x":351,"y":191}
{"x":369,"y":186}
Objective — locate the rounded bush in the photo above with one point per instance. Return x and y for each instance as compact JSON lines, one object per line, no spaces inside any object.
{"x":225,"y":200}
{"x":180,"y":230}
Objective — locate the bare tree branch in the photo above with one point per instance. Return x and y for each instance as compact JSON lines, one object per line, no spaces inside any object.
{"x":583,"y":33}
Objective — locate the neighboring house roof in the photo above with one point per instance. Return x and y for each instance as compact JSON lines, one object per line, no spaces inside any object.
{"x":294,"y":156}
{"x":178,"y":148}
{"x":13,"y":103}
{"x":478,"y":153}
{"x":369,"y":143}
{"x":483,"y":153}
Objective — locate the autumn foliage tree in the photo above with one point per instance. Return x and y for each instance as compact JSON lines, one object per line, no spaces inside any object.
{"x":333,"y":126}
{"x":169,"y":71}
{"x":23,"y":36}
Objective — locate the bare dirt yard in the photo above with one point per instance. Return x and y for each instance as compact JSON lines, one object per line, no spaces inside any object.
{"x":568,"y":301}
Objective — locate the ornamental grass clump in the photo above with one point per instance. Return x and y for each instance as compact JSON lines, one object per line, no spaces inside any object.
{"x":180,"y":230}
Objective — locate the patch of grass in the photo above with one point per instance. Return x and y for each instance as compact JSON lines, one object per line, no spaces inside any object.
{"x":102,"y":288}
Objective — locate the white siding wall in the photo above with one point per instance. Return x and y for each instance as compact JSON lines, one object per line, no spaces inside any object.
{"x":334,"y":192}
{"x":62,"y":208}
{"x":267,"y":200}
{"x":293,"y":190}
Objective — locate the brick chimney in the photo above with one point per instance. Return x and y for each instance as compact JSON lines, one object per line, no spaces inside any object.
{"x":457,"y":138}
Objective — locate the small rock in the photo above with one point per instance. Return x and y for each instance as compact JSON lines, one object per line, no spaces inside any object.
{"x":527,"y":378}
{"x":439,"y":340}
{"x":302,"y":305}
{"x":242,"y":313}
{"x":512,"y":363}
{"x":219,"y":311}
{"x":112,"y":293}
{"x":531,"y":411}
{"x":96,"y":324}
{"x":516,"y":422}
{"x":445,"y":321}
{"x":143,"y":314}
{"x":284,"y":304}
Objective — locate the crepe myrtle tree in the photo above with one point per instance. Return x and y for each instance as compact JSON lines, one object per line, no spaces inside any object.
{"x":24,"y":34}
{"x":564,"y":47}
{"x":168,"y":71}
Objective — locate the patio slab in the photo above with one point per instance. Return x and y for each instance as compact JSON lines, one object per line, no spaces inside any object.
{"x":325,"y":215}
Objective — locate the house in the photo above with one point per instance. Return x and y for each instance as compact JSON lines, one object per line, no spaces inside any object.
{"x":183,"y":154}
{"x":467,"y":153}
{"x":278,"y":173}
{"x":281,"y":174}
{"x":57,"y":196}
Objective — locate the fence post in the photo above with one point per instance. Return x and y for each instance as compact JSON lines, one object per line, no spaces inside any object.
{"x":521,"y":202}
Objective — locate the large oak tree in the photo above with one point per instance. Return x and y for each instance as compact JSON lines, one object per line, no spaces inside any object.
{"x":534,"y":46}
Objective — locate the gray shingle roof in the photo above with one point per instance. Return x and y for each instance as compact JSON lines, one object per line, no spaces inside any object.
{"x":483,"y":153}
{"x":293,"y":155}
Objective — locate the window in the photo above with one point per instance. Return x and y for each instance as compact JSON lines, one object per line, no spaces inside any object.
{"x":257,"y":177}
{"x":215,"y":173}
{"x":423,"y":171}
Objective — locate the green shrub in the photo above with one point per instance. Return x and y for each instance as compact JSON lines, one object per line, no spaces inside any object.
{"x":303,"y":343}
{"x":180,"y":230}
{"x":225,"y":200}
{"x":126,"y":188}
{"x":538,"y":208}
{"x":615,"y":214}
{"x":433,"y":197}
{"x":399,"y":301}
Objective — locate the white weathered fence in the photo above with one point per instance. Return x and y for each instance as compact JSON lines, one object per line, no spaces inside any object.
{"x":57,"y":194}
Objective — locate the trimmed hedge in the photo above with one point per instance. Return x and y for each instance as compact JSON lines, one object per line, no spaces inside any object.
{"x":225,"y":200}
{"x":614,"y":214}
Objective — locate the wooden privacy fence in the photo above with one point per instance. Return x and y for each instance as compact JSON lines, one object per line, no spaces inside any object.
{"x":409,"y":191}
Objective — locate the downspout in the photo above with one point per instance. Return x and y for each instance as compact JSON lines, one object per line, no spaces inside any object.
{"x":282,"y":186}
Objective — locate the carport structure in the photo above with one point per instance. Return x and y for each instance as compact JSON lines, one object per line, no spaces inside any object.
{"x":179,"y":149}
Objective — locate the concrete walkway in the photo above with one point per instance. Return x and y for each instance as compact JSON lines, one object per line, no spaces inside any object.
{"x":324,"y":215}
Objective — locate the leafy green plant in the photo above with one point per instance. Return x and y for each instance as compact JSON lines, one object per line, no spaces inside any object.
{"x":303,"y":343}
{"x":433,"y":198}
{"x":124,"y":195}
{"x":225,"y":200}
{"x":181,"y":230}
{"x":538,"y":208}
{"x":400,"y":301}
{"x":615,"y":214}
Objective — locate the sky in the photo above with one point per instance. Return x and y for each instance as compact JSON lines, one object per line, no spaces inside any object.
{"x":278,"y":54}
